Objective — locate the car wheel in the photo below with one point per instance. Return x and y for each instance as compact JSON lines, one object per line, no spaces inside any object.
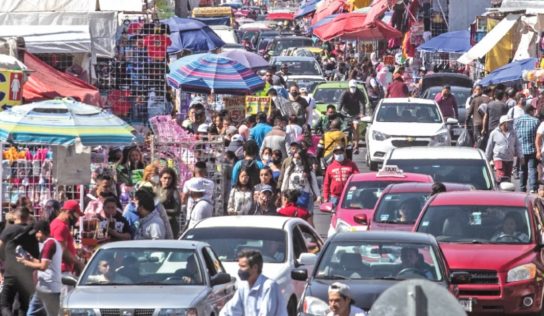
{"x":292,"y":306}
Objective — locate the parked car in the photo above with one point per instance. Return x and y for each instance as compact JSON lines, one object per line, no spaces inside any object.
{"x":356,"y":206}
{"x":285,"y":242}
{"x":370,"y":263}
{"x":496,"y":238}
{"x":463,"y":165}
{"x":150,"y":277}
{"x":403,"y":122}
{"x":399,"y":204}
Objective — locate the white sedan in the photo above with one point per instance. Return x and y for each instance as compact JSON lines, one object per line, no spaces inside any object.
{"x":404,"y":122}
{"x":287,"y":245}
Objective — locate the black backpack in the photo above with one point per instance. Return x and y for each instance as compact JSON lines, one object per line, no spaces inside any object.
{"x":253,"y":171}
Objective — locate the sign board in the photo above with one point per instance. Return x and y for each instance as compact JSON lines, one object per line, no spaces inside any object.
{"x":11,"y":87}
{"x":390,"y":171}
{"x":235,"y":106}
{"x":255,"y":105}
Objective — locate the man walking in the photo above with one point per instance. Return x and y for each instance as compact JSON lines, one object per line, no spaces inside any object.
{"x":256,"y":294}
{"x":337,"y":175}
{"x":494,"y":111}
{"x":447,"y":103}
{"x":475,"y":113}
{"x":502,"y":147}
{"x":526,"y":129}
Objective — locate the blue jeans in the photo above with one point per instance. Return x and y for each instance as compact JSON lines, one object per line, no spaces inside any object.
{"x":334,"y":200}
{"x":528,"y":172}
{"x":35,"y":307}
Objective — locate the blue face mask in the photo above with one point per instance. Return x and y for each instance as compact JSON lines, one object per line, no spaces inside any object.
{"x":243,"y":274}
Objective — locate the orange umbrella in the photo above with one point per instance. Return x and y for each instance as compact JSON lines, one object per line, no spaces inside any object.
{"x":326,"y":8}
{"x":378,"y":8}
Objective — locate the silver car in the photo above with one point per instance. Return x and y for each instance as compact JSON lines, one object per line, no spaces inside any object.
{"x":150,"y":278}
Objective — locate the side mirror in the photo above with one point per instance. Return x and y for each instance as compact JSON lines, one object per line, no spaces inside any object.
{"x":68,"y":280}
{"x":366,"y":119}
{"x":459,"y":277}
{"x":307,"y":259}
{"x":507,"y":186}
{"x":360,"y":219}
{"x":451,"y":121}
{"x":326,"y":207}
{"x":299,"y":274}
{"x":220,"y":278}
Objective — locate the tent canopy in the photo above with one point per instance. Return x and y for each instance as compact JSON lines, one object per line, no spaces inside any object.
{"x":509,"y":72}
{"x":451,"y":42}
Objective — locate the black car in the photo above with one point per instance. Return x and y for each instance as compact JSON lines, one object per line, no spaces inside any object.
{"x":370,"y":263}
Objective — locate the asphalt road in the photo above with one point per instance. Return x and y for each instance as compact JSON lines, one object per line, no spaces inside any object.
{"x":322,"y":220}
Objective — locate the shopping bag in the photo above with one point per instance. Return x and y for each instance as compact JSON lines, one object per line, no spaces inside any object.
{"x":464,"y":139}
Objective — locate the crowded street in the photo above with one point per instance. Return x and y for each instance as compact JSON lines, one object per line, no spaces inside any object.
{"x":271,"y":157}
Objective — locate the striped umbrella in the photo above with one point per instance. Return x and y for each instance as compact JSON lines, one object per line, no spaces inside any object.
{"x":211,"y":73}
{"x":62,"y":122}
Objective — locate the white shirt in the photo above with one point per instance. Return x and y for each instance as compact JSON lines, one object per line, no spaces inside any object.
{"x":293,"y":131}
{"x":208,"y":195}
{"x":202,"y":209}
{"x":540,"y":130}
{"x":310,"y":109}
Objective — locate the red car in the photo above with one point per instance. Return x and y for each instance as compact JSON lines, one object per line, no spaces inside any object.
{"x":494,"y":238}
{"x":356,"y":205}
{"x":400,"y":204}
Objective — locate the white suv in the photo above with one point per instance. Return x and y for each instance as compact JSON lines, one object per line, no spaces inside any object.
{"x":403,"y":122}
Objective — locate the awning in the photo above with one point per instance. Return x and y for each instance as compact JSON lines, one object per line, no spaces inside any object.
{"x":121,"y":5}
{"x":490,"y":40}
{"x":49,"y":5}
{"x":525,"y":50}
{"x":51,"y":38}
{"x":451,"y":42}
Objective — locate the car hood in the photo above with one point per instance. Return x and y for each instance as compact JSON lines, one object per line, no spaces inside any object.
{"x":408,"y":129}
{"x":484,"y":256}
{"x":141,"y":296}
{"x":347,"y":215}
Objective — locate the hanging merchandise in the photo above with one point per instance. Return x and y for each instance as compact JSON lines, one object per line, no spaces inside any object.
{"x":70,"y":166}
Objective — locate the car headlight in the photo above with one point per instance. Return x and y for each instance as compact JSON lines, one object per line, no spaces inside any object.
{"x":342,"y":226}
{"x":379,"y":136}
{"x":520,"y":273}
{"x":314,"y":306}
{"x":81,"y":312}
{"x":441,"y":138}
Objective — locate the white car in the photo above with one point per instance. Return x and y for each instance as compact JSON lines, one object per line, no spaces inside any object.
{"x":403,"y":122}
{"x":286,"y":244}
{"x":463,"y":165}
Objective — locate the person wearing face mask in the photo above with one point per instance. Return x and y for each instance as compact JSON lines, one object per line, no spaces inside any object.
{"x":298,"y":105}
{"x":61,"y":228}
{"x":151,"y":226}
{"x":324,"y":122}
{"x":256,"y":294}
{"x":337,"y":175}
{"x":353,"y":103}
{"x":447,"y":102}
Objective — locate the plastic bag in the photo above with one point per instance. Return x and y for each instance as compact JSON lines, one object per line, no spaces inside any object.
{"x":465,"y":139}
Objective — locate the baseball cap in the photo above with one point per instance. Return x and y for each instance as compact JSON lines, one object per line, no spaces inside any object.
{"x":352,"y":84}
{"x":266,"y":188}
{"x":72,"y":206}
{"x":197,"y":186}
{"x":203,"y":128}
{"x":338,"y":148}
{"x":40,"y":226}
{"x":237,"y":138}
{"x":504,"y":119}
{"x":341,"y":288}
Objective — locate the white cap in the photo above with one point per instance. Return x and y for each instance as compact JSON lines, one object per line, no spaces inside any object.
{"x":237,"y":138}
{"x":196,"y":186}
{"x":202,"y":128}
{"x":352,"y":84}
{"x":504,"y":119}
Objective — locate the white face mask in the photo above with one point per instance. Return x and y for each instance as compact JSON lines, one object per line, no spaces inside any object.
{"x":339,"y":157}
{"x":266,"y":158}
{"x":352,"y":90}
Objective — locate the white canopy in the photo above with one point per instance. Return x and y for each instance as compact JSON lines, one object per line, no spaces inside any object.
{"x":490,"y":40}
{"x":48,"y":5}
{"x":121,"y":5}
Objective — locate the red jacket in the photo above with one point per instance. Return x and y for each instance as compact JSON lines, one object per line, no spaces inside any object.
{"x":292,"y":210}
{"x":336,"y":177}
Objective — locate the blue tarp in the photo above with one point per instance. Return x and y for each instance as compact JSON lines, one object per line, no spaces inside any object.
{"x":509,"y":72}
{"x":307,"y":8}
{"x":451,"y":42}
{"x":215,"y":21}
{"x":191,"y":34}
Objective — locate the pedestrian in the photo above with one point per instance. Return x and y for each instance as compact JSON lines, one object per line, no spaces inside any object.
{"x":293,"y":147}
{"x":299,"y":106}
{"x":250,"y":162}
{"x":474,"y":112}
{"x":277,"y":138}
{"x":150,"y":226}
{"x":61,"y":228}
{"x":494,"y":111}
{"x":200,"y":174}
{"x":511,"y":97}
{"x":168,"y":196}
{"x":502,"y":147}
{"x":259,"y":131}
{"x":17,"y":279}
{"x":50,"y":210}
{"x":289,"y":206}
{"x":49,"y":275}
{"x":293,"y":130}
{"x":264,"y":201}
{"x":526,"y":129}
{"x":245,"y":127}
{"x":311,"y":105}
{"x":202,"y":207}
{"x":538,"y":103}
{"x":132,"y":160}
{"x":241,"y":195}
{"x":275,"y":165}
{"x":331,"y":139}
{"x":341,"y":302}
{"x":324,"y":122}
{"x":397,"y":88}
{"x":447,"y":102}
{"x":337,"y":175}
{"x":256,"y":294}
{"x":111,"y":223}
{"x":279,"y":104}
{"x":519,"y":108}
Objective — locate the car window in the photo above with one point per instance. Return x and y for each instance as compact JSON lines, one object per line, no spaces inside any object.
{"x":363,"y":195}
{"x":464,"y":171}
{"x":379,"y":260}
{"x":228,"y":242}
{"x":328,"y":95}
{"x":477,"y":224}
{"x":313,"y":242}
{"x":299,"y":244}
{"x":300,"y":67}
{"x":212,"y":263}
{"x":143,"y":266}
{"x":408,"y":113}
{"x":461,"y":94}
{"x":400,"y":208}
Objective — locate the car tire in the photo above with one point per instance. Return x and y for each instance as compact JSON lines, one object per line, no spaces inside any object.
{"x":292,"y":306}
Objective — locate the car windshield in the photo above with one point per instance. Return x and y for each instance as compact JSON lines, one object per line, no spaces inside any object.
{"x":143,"y":266}
{"x":228,"y":242}
{"x":408,"y":113}
{"x":400,"y":208}
{"x":363,"y":194}
{"x":301,"y":67}
{"x":291,"y":42}
{"x":356,"y":260}
{"x":328,"y":95}
{"x":477,"y":224}
{"x":308,"y":84}
{"x":461,"y":94}
{"x":464,"y":171}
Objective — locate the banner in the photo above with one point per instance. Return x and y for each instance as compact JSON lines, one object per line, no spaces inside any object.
{"x":257,"y":104}
{"x":235,"y":106}
{"x":11,"y":87}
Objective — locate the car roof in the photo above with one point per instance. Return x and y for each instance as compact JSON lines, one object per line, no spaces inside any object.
{"x":442,"y":152}
{"x":408,"y":187}
{"x":254,"y":221}
{"x":376,"y":235}
{"x":164,"y":243}
{"x":373,"y":176}
{"x":293,"y":58}
{"x":335,"y":84}
{"x":407,"y":100}
{"x":497,"y":198}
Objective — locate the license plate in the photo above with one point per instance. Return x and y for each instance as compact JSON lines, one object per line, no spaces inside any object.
{"x":467,"y":304}
{"x":457,"y":131}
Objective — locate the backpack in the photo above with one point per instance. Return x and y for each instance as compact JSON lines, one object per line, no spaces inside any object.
{"x":253,"y":171}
